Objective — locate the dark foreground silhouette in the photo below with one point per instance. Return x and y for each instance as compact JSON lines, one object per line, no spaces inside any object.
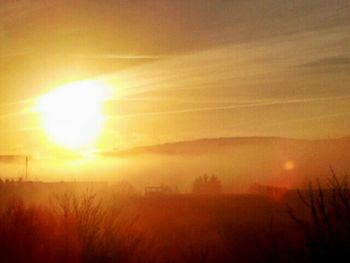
{"x":109,"y":226}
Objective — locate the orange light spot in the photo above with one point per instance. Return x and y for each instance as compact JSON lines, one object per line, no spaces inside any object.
{"x":289,"y":165}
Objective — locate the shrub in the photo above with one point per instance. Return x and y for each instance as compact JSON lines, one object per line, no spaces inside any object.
{"x":327,"y":231}
{"x":79,"y":228}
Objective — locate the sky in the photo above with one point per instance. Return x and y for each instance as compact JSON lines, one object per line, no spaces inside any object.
{"x":180,"y":70}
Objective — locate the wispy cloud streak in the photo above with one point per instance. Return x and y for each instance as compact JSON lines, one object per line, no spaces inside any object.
{"x":232,"y":107}
{"x":118,"y":56}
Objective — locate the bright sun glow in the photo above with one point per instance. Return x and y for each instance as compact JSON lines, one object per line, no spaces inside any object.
{"x":72,"y":115}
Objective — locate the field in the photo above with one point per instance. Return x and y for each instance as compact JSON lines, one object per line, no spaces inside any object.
{"x":42,"y":222}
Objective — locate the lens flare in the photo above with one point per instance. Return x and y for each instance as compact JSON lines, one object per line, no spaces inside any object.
{"x":289,"y":165}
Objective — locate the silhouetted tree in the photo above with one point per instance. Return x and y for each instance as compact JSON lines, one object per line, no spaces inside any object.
{"x":206,"y":185}
{"x":325,"y":232}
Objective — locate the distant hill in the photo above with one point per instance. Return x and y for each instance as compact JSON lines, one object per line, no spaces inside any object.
{"x":216,"y":145}
{"x":239,"y":162}
{"x":11,"y":158}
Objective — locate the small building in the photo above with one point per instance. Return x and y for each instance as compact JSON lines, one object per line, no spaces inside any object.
{"x":158,"y":190}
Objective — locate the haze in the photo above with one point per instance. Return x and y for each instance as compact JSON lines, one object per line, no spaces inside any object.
{"x":153,"y":131}
{"x":179,"y":71}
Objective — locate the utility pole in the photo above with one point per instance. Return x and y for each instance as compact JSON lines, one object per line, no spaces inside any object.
{"x":26,"y":164}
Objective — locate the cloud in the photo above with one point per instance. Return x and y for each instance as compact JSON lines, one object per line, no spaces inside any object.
{"x":314,"y":118}
{"x":179,"y":57}
{"x":13,"y":9}
{"x":118,"y":56}
{"x":236,"y":106}
{"x":166,"y":25}
{"x":266,"y":67}
{"x":328,"y":62}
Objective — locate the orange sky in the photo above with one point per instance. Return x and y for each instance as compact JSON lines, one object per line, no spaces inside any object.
{"x":180,"y":69}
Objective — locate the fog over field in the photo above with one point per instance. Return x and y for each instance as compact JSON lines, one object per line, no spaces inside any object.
{"x":174,"y":131}
{"x":238,"y":162}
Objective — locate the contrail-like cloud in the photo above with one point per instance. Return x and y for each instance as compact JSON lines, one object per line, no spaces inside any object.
{"x":118,"y":56}
{"x":231,"y":107}
{"x":315,"y":118}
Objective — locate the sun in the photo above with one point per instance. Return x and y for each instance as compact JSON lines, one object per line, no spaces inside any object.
{"x":72,"y":115}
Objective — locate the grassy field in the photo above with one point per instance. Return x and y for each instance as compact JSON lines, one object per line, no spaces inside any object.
{"x":79,"y":224}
